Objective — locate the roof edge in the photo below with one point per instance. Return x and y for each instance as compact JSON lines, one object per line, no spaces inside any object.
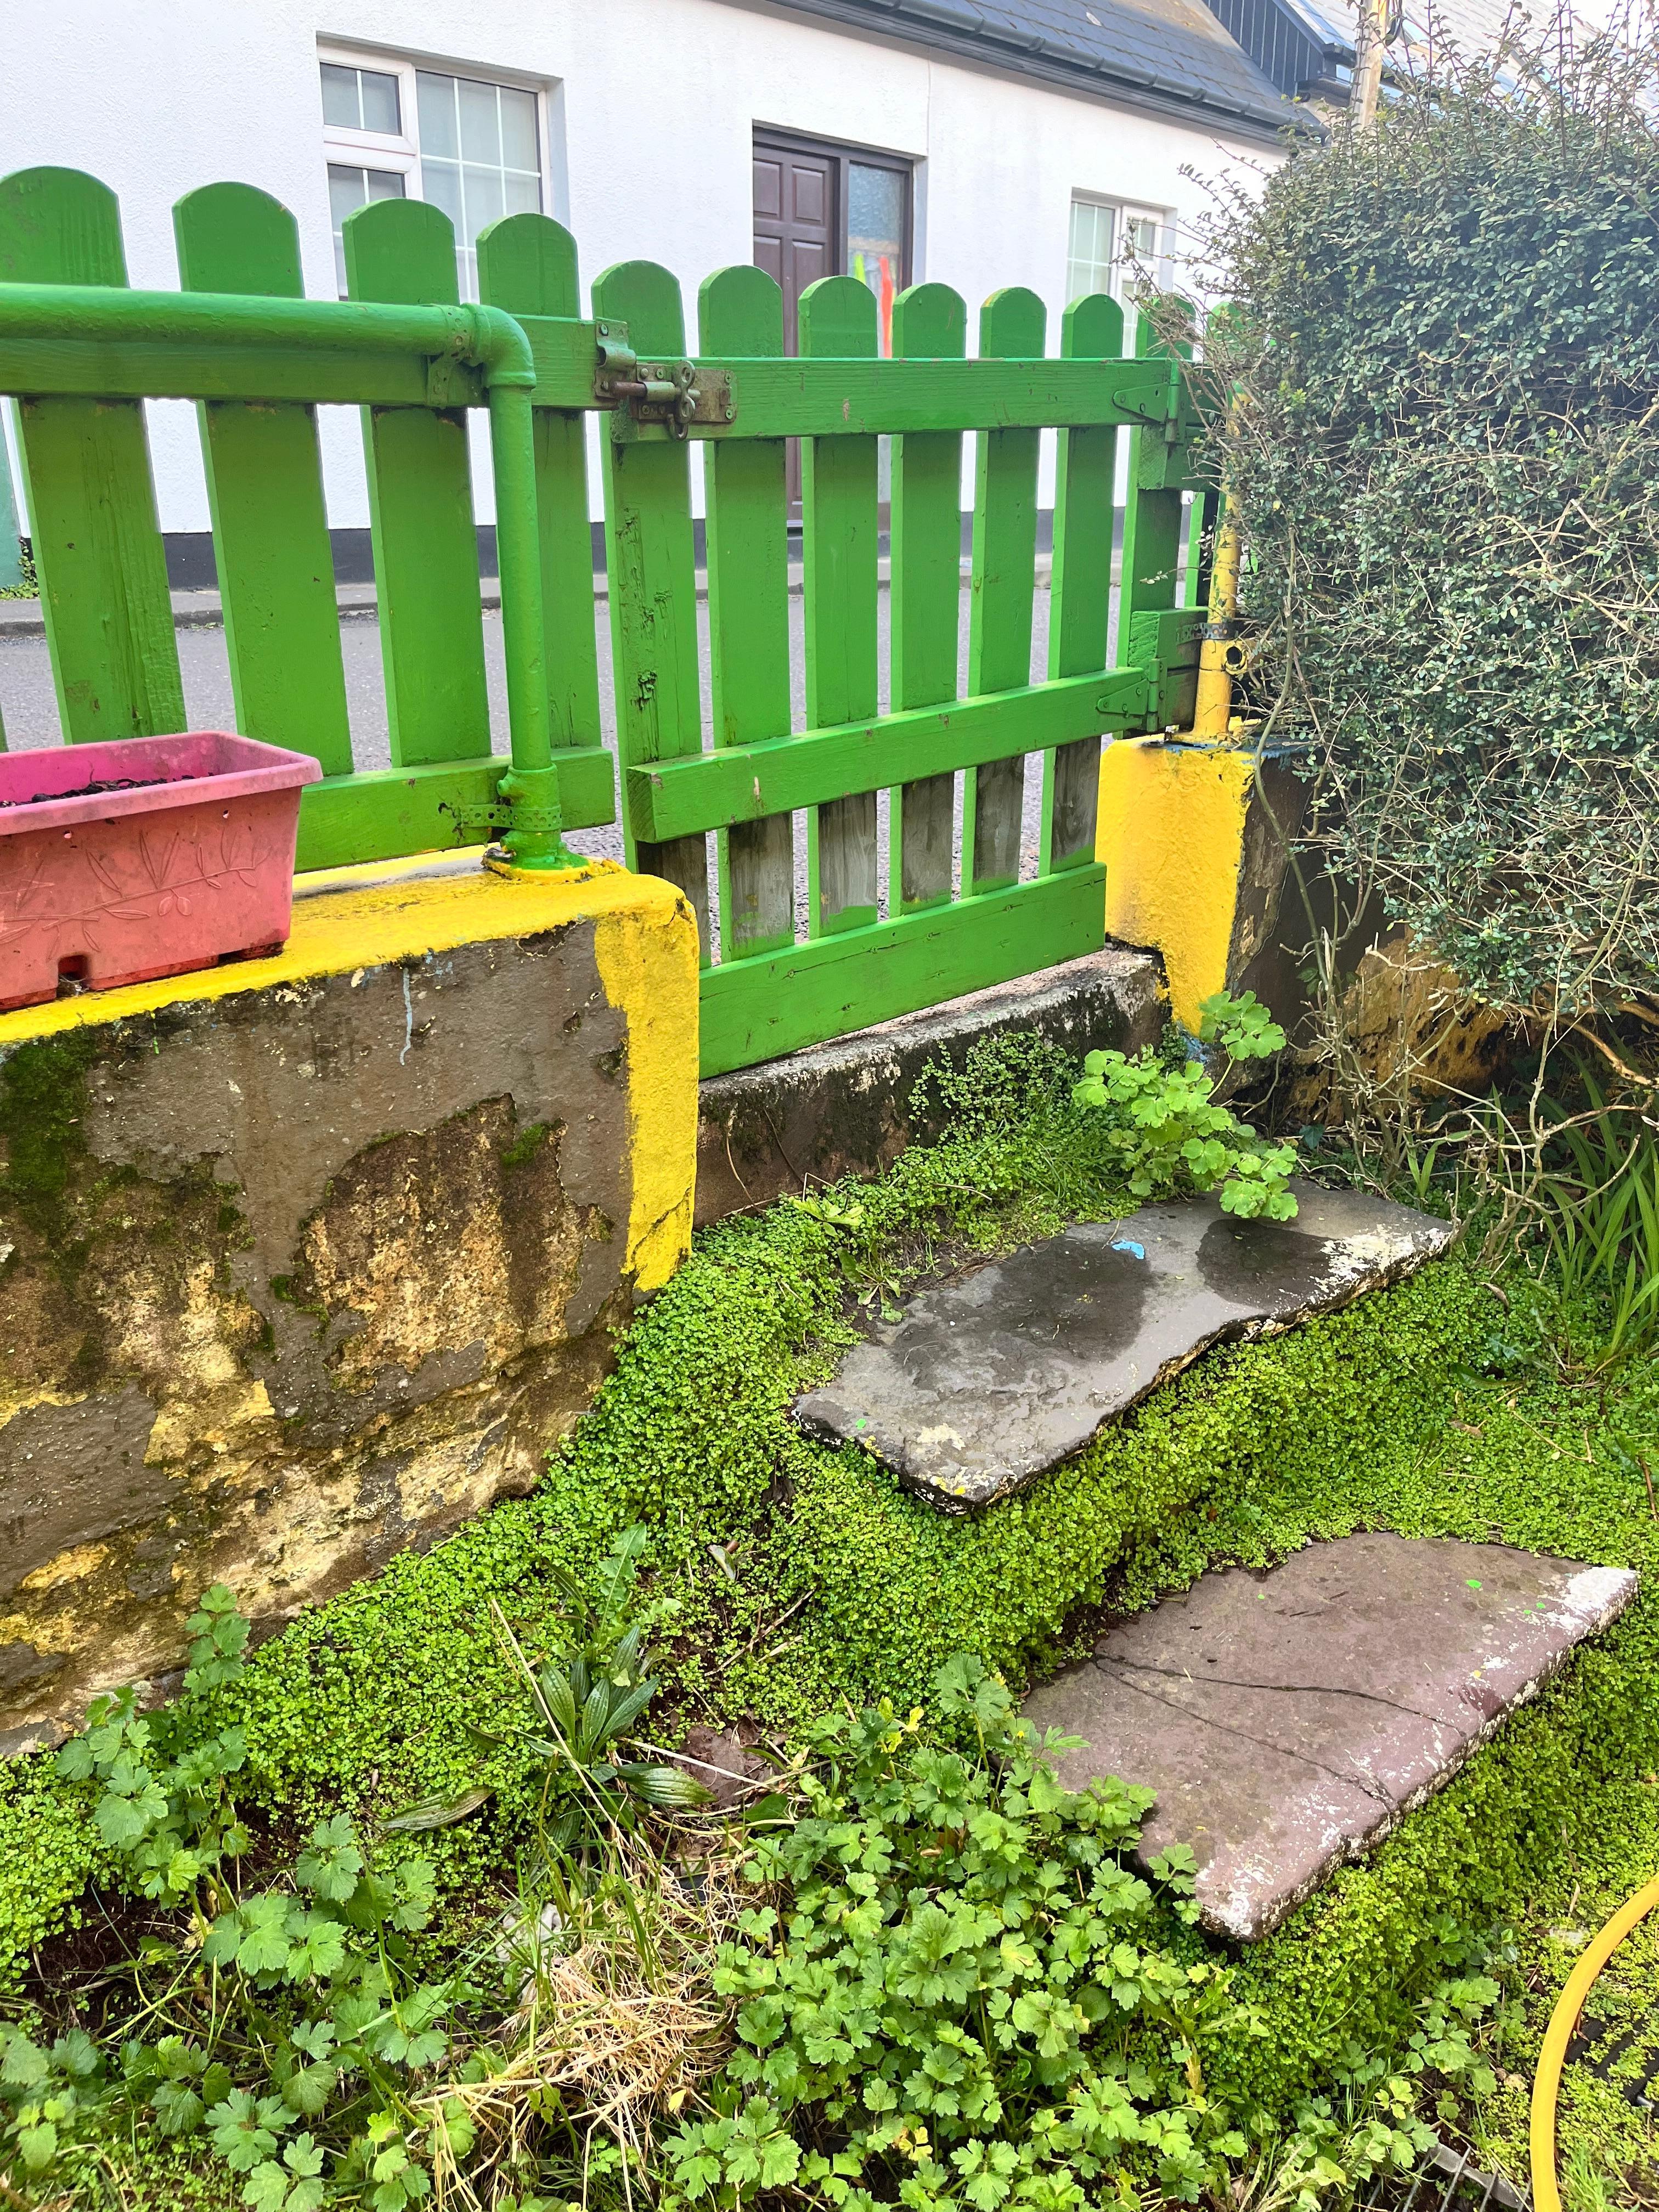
{"x":1266,"y":126}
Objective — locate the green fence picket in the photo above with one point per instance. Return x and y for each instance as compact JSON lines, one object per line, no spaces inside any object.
{"x":1151,"y":596}
{"x":838,"y":542}
{"x":86,"y":482}
{"x":652,"y":567}
{"x":265,"y":496}
{"x":420,"y":499}
{"x":1152,"y":520}
{"x":527,"y":264}
{"x":1080,"y":587}
{"x":929,"y":322}
{"x":1011,"y":326}
{"x":740,"y":314}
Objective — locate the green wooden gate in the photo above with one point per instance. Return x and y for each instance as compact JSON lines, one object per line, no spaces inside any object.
{"x":785,"y":978}
{"x":944,"y":909}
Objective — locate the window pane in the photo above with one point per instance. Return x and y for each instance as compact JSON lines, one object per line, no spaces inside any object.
{"x":482,"y":189}
{"x":435,"y":97}
{"x":1088,"y":264}
{"x":346,"y":191}
{"x":875,"y":238}
{"x":350,"y":189}
{"x":523,"y":195}
{"x":379,"y":95}
{"x":481,"y":129}
{"x":340,"y":97}
{"x":519,"y":148}
{"x":875,"y":209}
{"x":442,"y":184}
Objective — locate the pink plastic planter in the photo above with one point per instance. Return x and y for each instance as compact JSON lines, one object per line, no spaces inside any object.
{"x":194,"y":867}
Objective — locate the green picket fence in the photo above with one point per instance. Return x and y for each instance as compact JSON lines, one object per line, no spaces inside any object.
{"x":80,"y":351}
{"x":948,"y":911}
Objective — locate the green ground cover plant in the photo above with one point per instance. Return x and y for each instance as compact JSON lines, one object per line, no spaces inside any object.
{"x":1168,"y":1131}
{"x":786,"y":1583}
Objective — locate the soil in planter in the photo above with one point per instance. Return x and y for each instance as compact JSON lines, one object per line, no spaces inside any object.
{"x":97,"y":790}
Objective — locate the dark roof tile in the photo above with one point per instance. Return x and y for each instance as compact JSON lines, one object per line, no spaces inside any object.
{"x":1171,"y":55}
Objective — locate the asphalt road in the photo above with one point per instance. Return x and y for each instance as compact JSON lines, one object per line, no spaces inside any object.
{"x":29,"y":704}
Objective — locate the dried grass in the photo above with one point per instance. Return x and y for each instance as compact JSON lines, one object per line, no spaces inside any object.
{"x":618,"y":2020}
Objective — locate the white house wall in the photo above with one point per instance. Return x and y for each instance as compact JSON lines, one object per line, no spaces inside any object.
{"x":650,"y":108}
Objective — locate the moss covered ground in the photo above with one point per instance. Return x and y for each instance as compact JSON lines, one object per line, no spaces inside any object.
{"x":800,"y":1576}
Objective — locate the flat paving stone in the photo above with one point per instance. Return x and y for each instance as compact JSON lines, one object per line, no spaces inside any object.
{"x":982,"y":1384}
{"x":1288,"y":1720}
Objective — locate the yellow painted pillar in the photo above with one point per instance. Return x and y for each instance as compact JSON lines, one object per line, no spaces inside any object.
{"x":1171,"y":833}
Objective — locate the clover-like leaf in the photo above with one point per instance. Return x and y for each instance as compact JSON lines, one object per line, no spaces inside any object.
{"x":331,"y":1861}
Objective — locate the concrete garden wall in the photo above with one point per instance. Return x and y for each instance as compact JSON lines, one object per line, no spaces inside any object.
{"x":304,"y":1260}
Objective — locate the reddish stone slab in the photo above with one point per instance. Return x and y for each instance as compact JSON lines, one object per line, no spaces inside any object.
{"x":1287,"y":1721}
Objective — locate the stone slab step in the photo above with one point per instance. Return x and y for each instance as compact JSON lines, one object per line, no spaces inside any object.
{"x":982,"y":1384}
{"x":1287,"y":1721}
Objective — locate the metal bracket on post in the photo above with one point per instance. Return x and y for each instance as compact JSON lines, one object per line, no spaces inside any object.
{"x":673,"y":393}
{"x":525,"y":804}
{"x":1237,"y":642}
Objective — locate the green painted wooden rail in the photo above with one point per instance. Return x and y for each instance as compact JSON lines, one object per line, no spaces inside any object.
{"x":944,"y":910}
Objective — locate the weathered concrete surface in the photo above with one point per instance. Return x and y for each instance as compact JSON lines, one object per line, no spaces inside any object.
{"x":844,"y":1108}
{"x":307,"y":1260}
{"x":985,"y":1382}
{"x":1288,"y":1721}
{"x":1408,"y":1027}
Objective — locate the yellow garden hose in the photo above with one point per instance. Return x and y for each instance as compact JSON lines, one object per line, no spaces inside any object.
{"x":1546,"y":2197}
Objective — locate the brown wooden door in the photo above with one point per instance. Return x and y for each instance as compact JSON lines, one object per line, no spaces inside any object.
{"x":798,"y":228}
{"x":798,"y":238}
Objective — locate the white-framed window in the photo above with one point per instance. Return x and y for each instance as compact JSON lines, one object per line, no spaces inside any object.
{"x":472,"y":144}
{"x":1112,"y":246}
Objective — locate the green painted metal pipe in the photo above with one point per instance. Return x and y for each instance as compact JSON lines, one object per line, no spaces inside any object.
{"x":97,"y":313}
{"x":487,"y":338}
{"x":532,"y":785}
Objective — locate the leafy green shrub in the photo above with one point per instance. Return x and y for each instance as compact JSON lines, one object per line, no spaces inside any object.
{"x":28,"y":586}
{"x":950,"y":2001}
{"x":1167,"y":1131}
{"x":1448,"y":467}
{"x":165,"y":1810}
{"x":311,"y":2029}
